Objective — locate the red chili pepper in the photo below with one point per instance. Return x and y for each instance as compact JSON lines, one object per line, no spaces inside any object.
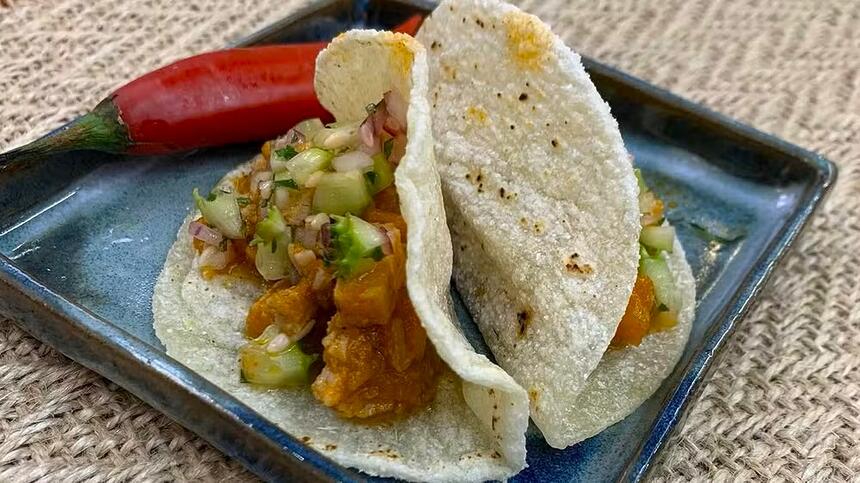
{"x":221,"y":97}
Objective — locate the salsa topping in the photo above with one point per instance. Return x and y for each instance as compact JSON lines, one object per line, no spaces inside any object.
{"x":320,"y":226}
{"x":654,"y":303}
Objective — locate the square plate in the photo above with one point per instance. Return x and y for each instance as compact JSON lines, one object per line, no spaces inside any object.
{"x":83,"y":237}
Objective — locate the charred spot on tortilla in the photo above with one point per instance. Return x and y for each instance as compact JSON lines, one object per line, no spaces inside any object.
{"x":523,"y":96}
{"x":435,"y":45}
{"x":502,"y":192}
{"x":494,"y":420}
{"x":386,"y":453}
{"x":330,"y":447}
{"x":524,"y":318}
{"x":574,"y":267}
{"x":306,"y":439}
{"x":534,"y":396}
{"x":539,"y":227}
{"x":554,"y":143}
{"x":512,"y":127}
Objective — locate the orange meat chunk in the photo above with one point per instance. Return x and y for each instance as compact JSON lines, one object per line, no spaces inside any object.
{"x":636,"y":321}
{"x":380,"y":370}
{"x":290,"y":307}
{"x":369,"y":298}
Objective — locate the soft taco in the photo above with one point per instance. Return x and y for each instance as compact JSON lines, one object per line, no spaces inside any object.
{"x":312,"y":284}
{"x":562,"y":256}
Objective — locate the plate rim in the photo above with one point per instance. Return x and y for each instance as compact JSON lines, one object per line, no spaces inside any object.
{"x":50,"y":317}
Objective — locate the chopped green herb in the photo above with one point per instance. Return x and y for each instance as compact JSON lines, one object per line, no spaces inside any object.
{"x":286,"y":152}
{"x":287,"y":183}
{"x":370,"y":176}
{"x":387,"y":147}
{"x":243,"y":201}
{"x":377,"y":254}
{"x":663,"y":308}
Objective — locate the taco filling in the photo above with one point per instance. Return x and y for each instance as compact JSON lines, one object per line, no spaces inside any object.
{"x":317,"y":220}
{"x":654,"y":304}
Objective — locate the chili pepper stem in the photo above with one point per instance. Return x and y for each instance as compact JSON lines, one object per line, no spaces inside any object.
{"x":99,"y":130}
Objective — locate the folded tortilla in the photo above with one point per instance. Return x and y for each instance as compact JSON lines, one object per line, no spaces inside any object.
{"x":475,"y":427}
{"x":543,"y":210}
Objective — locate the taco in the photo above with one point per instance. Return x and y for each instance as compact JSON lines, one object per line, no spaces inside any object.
{"x":312,"y":284}
{"x":586,"y":301}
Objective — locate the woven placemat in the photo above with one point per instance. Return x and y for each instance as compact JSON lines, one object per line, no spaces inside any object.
{"x":783,"y":402}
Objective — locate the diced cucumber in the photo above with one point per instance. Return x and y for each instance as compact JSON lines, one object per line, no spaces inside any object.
{"x":287,"y":368}
{"x":382,"y":176}
{"x":341,"y":193}
{"x":221,"y":210}
{"x":284,"y":179}
{"x":272,"y":226}
{"x":355,"y":242}
{"x":658,"y":271}
{"x":308,"y":162}
{"x":273,"y":258}
{"x":658,"y":237}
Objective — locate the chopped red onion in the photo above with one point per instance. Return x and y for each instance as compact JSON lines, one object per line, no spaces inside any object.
{"x":325,"y":236}
{"x":365,"y":133}
{"x":317,"y":221}
{"x":379,"y":118}
{"x":306,"y":236}
{"x":214,"y":258}
{"x":392,"y":126}
{"x":266,"y":189}
{"x":387,"y":249}
{"x":353,"y":160}
{"x":396,"y":107}
{"x":258,"y":178}
{"x":206,"y":234}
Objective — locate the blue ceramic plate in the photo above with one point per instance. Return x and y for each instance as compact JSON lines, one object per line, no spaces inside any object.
{"x":83,"y":238}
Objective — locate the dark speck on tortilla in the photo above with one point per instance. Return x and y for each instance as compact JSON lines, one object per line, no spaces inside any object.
{"x":498,"y":94}
{"x":502,"y":192}
{"x":523,"y":320}
{"x":512,"y":127}
{"x":434,"y":45}
{"x":479,"y":22}
{"x":554,"y":143}
{"x":479,"y":177}
{"x":306,"y":439}
{"x":330,"y":447}
{"x":523,"y":96}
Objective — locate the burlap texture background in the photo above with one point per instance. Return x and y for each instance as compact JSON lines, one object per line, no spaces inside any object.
{"x":783,"y":403}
